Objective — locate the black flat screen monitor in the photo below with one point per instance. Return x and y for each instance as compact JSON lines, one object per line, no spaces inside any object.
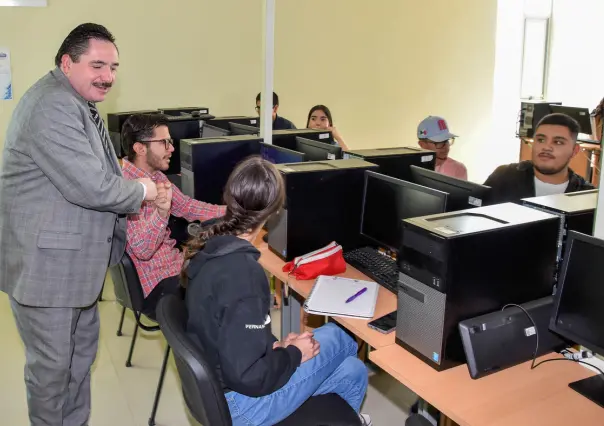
{"x":582,"y":116}
{"x":578,"y":313}
{"x":214,"y":162}
{"x":180,"y":129}
{"x":242,"y":129}
{"x":463,"y":194}
{"x":209,"y":131}
{"x":279,"y":155}
{"x":387,"y":201}
{"x":318,"y":151}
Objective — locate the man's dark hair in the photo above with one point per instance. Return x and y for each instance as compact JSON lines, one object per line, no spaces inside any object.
{"x":140,"y":127}
{"x":76,"y":43}
{"x":559,"y":119}
{"x":275,"y":99}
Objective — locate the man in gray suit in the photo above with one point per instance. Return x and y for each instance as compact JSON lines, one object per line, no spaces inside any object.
{"x":63,"y":202}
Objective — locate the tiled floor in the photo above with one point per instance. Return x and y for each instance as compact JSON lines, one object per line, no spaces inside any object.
{"x":123,"y":396}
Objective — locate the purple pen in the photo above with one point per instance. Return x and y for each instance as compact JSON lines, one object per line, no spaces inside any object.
{"x":354,"y":296}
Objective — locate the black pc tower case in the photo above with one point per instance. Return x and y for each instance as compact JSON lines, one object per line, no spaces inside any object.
{"x":459,"y":265}
{"x":223,"y":122}
{"x":185,"y":110}
{"x":323,"y":204}
{"x":206,"y":164}
{"x":531,"y":112}
{"x":576,"y":211}
{"x":115,"y":121}
{"x":396,"y":162}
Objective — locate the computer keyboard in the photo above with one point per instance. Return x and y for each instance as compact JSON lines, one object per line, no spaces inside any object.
{"x":375,"y":265}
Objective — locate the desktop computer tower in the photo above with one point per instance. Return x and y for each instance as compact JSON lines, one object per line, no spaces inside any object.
{"x":396,"y":162}
{"x":576,"y":211}
{"x":531,"y":112}
{"x":223,"y":122}
{"x":459,"y":265}
{"x":206,"y":164}
{"x":323,"y":204}
{"x":287,"y":138}
{"x":115,"y":121}
{"x":185,"y":110}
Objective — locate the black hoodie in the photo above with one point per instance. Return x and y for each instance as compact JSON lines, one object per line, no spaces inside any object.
{"x":228,"y":299}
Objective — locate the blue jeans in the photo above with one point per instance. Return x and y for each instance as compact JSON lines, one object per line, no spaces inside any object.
{"x":335,"y":370}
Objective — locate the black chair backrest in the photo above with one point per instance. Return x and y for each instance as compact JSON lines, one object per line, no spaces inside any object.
{"x":127,"y":285}
{"x":202,"y":392}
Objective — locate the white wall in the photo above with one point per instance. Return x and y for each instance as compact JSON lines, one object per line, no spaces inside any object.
{"x":383,"y":66}
{"x":188,"y":52}
{"x":577,"y":54}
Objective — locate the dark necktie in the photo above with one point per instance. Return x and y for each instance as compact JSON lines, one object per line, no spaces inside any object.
{"x":98,"y":121}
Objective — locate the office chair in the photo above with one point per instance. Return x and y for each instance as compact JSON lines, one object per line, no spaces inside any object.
{"x":129,"y":294}
{"x":203,"y":393}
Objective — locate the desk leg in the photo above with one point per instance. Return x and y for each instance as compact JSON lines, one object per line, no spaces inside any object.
{"x":445,"y":421}
{"x":278,"y":292}
{"x":290,"y":314}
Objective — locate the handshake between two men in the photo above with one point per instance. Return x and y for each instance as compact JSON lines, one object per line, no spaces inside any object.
{"x":160,"y":193}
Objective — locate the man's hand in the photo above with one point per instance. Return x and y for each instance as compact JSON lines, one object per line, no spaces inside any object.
{"x":151,"y":193}
{"x":163,"y":202}
{"x":309,"y":347}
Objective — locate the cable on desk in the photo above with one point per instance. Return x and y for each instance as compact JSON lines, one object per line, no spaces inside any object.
{"x":533,"y":366}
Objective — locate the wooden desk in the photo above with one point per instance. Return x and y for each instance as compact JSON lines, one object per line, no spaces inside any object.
{"x":386,"y":301}
{"x":516,"y":396}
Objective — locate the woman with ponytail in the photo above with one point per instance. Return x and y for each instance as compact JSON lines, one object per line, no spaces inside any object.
{"x":228,"y":299}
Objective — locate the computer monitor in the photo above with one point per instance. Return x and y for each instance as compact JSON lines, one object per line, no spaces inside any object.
{"x":387,"y":201}
{"x":287,"y":138}
{"x":318,"y":151}
{"x":211,"y":163}
{"x":279,"y":155}
{"x":462,"y":193}
{"x":582,"y":115}
{"x":209,"y":131}
{"x":578,"y":313}
{"x":242,"y":129}
{"x":180,"y":128}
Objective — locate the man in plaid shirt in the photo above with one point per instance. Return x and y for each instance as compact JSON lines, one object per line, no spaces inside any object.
{"x":146,"y":139}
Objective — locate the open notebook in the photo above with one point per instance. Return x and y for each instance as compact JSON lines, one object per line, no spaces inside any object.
{"x":328,"y":297}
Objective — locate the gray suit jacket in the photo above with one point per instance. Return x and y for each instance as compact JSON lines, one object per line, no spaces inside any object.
{"x":60,"y":196}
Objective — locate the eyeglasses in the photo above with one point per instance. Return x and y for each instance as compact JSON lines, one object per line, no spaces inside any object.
{"x":258,"y":108}
{"x":439,"y":145}
{"x":167,"y":142}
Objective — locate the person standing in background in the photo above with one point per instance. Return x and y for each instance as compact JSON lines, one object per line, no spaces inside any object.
{"x":433,"y":134}
{"x":63,"y":202}
{"x":319,"y":117}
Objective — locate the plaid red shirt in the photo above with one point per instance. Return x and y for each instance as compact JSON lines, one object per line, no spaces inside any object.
{"x":148,"y":239}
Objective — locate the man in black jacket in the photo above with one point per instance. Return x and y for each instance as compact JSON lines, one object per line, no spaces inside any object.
{"x":554,"y":146}
{"x":279,"y":123}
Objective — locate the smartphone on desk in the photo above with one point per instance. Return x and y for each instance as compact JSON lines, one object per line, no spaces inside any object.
{"x":385,"y":324}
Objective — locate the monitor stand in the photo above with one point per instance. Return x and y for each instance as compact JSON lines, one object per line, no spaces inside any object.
{"x":591,"y":388}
